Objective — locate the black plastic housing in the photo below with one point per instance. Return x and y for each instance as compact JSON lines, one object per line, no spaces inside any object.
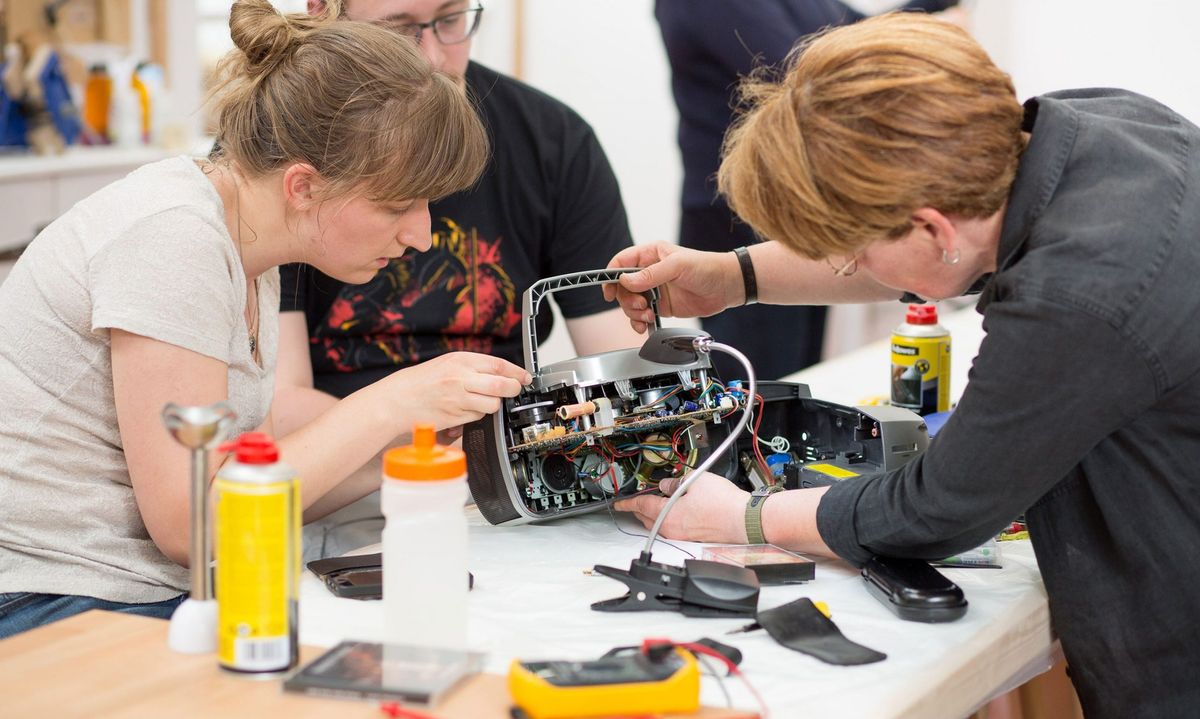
{"x":913,"y":590}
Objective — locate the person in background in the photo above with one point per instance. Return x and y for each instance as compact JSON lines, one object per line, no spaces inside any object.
{"x":548,"y":204}
{"x":711,"y":44}
{"x":893,"y":156}
{"x":163,"y":287}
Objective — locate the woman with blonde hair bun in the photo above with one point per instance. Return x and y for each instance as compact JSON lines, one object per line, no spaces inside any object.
{"x":893,"y":158}
{"x":163,"y":287}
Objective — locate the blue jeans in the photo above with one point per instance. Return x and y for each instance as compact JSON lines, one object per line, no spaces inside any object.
{"x":22,"y":611}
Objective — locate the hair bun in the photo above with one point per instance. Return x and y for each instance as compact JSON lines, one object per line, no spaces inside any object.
{"x":265,"y":36}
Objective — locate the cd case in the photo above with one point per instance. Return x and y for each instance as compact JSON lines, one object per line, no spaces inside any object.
{"x":370,"y":670}
{"x":771,"y":564}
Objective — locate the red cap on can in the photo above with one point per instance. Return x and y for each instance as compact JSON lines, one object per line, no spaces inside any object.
{"x":921,"y":315}
{"x":253,"y":448}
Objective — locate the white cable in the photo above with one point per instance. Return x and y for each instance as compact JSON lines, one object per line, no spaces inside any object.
{"x":704,"y":345}
{"x":778,"y":444}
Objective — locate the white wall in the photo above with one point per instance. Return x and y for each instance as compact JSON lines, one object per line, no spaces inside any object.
{"x":606,"y":60}
{"x":1148,"y":46}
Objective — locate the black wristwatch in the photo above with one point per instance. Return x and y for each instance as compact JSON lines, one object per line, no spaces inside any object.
{"x":749,"y":280}
{"x":754,"y":530}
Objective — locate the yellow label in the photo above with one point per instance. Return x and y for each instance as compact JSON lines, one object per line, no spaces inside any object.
{"x":921,"y":373}
{"x":831,"y":470}
{"x":257,"y":548}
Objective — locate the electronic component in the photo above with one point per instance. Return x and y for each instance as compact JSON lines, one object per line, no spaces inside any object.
{"x":571,"y":411}
{"x":618,"y":420}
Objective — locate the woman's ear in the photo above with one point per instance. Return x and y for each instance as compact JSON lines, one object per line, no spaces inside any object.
{"x":937,"y":228}
{"x":301,"y":186}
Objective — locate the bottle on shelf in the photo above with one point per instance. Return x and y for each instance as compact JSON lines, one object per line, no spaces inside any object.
{"x":97,"y":96}
{"x":125,"y":110}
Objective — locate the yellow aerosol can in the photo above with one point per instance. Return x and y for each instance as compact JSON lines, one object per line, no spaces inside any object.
{"x":256,"y":540}
{"x":921,"y":362}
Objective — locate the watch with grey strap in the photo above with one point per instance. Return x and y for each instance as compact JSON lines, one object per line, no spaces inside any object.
{"x":754,"y":530}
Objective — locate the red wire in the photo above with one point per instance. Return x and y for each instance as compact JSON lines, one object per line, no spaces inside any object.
{"x":394,"y":709}
{"x":675,"y":448}
{"x":611,"y":470}
{"x":733,"y":669}
{"x":762,"y":463}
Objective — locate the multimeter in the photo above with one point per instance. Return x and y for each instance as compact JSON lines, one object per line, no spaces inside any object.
{"x":634,"y":683}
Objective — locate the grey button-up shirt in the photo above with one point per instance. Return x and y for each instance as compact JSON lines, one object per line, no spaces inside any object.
{"x":1083,"y":408}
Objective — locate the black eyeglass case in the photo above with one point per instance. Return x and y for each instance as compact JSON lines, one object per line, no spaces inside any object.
{"x":913,"y":590}
{"x":356,"y":577}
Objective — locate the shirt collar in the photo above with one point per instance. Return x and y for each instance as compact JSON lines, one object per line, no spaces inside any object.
{"x":1053,"y":125}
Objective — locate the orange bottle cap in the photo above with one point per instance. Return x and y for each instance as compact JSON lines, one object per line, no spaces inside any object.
{"x":424,"y":459}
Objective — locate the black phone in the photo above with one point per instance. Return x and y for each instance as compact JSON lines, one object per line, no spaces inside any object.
{"x":356,"y":577}
{"x":913,"y":590}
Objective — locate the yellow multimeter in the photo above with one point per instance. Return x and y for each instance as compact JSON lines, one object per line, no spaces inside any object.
{"x":631,"y":683}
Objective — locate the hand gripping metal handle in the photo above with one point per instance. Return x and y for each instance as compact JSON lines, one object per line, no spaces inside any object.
{"x":531,"y":302}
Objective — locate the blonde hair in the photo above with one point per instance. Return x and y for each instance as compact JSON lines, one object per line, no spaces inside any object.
{"x":870,"y":122}
{"x":358,"y":103}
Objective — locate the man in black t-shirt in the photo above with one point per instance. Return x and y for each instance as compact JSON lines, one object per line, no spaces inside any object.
{"x":548,"y":204}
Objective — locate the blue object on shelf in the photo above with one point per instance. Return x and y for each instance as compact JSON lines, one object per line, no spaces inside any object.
{"x":12,"y":122}
{"x":58,"y":100}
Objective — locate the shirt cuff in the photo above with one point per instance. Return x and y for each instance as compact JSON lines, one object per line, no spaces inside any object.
{"x":835,"y":520}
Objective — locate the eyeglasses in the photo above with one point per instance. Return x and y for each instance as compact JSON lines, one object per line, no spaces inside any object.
{"x":844,"y":269}
{"x":452,"y":29}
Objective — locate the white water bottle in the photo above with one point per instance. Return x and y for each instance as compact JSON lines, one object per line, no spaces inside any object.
{"x":425,"y":579}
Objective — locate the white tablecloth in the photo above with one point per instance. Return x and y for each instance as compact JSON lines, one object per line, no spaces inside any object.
{"x":532,"y":596}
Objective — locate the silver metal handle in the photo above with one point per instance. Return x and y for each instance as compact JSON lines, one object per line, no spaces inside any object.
{"x":531,"y":302}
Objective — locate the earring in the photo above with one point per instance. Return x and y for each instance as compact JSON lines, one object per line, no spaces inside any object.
{"x":949,"y":259}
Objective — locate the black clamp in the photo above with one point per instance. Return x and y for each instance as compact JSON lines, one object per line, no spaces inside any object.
{"x":699,"y":588}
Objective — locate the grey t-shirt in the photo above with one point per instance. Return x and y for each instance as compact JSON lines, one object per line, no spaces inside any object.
{"x":149,"y":254}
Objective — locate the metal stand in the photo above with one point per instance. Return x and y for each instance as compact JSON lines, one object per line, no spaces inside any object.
{"x":193,"y":628}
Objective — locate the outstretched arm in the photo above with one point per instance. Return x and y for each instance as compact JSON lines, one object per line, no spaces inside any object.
{"x":148,"y":373}
{"x":698,"y":284}
{"x":714,"y":510}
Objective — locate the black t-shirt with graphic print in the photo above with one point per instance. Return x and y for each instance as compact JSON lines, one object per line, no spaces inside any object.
{"x":548,"y":204}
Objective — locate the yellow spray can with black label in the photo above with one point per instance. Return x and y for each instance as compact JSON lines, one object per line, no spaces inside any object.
{"x":257,"y":547}
{"x":921,"y":362}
